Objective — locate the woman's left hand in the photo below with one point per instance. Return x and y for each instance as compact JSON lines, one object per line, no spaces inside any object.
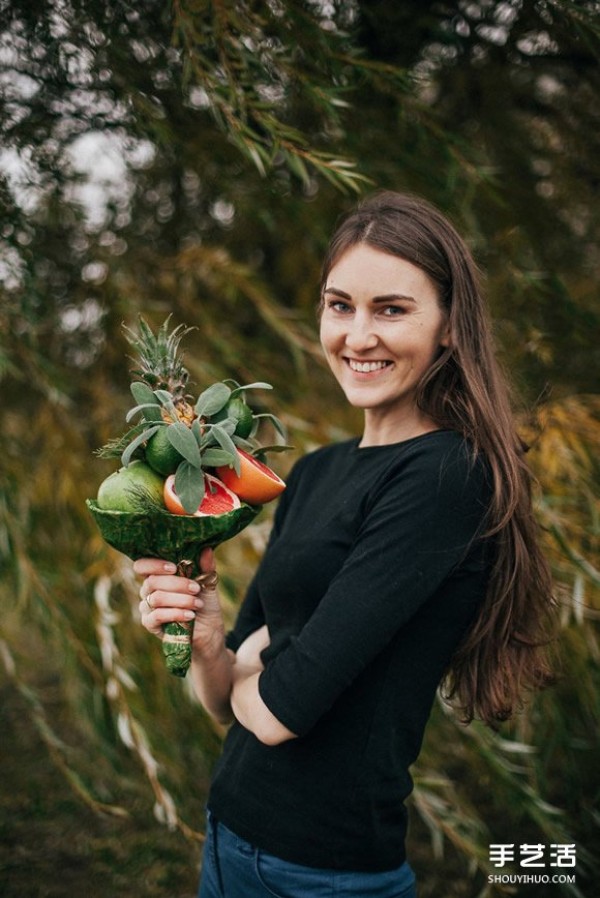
{"x":248,"y":654}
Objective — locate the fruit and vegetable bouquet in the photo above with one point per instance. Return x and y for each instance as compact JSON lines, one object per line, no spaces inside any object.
{"x":192,"y":473}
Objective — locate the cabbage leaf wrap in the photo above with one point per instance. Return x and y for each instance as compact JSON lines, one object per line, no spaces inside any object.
{"x":175,"y":538}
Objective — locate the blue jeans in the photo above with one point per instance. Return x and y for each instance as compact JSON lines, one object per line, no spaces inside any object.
{"x":232,"y":868}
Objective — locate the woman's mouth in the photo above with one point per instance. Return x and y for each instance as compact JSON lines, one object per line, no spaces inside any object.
{"x":367,"y":367}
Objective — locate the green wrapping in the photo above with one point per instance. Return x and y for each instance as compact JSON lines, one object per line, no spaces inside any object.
{"x":176,"y":538}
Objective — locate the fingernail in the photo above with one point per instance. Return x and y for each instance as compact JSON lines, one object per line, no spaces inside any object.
{"x":189,"y":615}
{"x":194,"y":587}
{"x":198,"y":603}
{"x":169,"y":568}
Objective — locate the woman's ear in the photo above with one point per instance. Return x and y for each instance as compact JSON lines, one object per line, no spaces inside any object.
{"x":445,"y":338}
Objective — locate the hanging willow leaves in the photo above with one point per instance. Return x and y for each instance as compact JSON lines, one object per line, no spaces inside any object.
{"x":489,"y":110}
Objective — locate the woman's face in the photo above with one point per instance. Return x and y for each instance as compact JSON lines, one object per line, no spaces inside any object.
{"x":381,"y":328}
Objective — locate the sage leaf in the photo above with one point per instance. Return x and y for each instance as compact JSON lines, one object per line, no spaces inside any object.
{"x":197,"y":430}
{"x":151,"y":412}
{"x":228,"y":425}
{"x":226,"y":443}
{"x":182,"y":439}
{"x":259,"y":385}
{"x":212,"y":400}
{"x":244,"y":444}
{"x":189,"y":486}
{"x":146,"y":401}
{"x":166,"y":400}
{"x":141,"y":438}
{"x":215,"y":458}
{"x":163,"y":396}
{"x":275,"y":422}
{"x":276,"y":448}
{"x":142,"y":393}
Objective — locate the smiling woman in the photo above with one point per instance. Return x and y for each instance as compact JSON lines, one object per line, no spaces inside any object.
{"x":382,"y":326}
{"x":422,"y":566}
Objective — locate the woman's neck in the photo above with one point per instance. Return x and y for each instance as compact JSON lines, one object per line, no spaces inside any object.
{"x":382,"y":430}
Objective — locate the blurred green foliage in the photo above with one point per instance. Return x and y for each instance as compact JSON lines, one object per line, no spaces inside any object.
{"x":192,"y":158}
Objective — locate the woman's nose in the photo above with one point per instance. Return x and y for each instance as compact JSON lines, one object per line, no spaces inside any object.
{"x":360,"y":335}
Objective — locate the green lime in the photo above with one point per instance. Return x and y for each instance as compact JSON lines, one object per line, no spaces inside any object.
{"x":161,"y":454}
{"x":131,"y":489}
{"x":238,"y":409}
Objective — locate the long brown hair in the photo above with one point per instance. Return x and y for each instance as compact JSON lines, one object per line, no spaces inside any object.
{"x":506,"y":651}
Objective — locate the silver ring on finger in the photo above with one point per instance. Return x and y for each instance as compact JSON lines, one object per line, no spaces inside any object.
{"x":148,"y":603}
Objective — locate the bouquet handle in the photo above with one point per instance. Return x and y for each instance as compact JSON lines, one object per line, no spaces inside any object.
{"x":177,"y":638}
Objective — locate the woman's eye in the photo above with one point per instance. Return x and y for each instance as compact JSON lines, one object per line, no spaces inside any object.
{"x":338,"y":305}
{"x":393,"y":311}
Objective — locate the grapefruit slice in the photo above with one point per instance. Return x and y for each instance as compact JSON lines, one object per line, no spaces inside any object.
{"x":256,"y":482}
{"x":218,"y":499}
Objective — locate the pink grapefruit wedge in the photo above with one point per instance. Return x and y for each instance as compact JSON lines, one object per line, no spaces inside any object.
{"x":218,"y":499}
{"x":256,"y":483}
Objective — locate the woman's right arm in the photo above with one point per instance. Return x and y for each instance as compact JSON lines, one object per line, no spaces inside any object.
{"x":165,"y":598}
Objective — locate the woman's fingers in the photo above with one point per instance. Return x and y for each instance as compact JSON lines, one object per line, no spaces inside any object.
{"x":176,"y":585}
{"x":207,"y":560}
{"x":165,"y":597}
{"x":162,"y":606}
{"x":144,"y":566}
{"x":159,"y":598}
{"x":168,"y":598}
{"x":155,"y":616}
{"x":159,"y":608}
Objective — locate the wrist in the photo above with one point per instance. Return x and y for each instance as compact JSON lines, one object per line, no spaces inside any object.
{"x":211,"y":648}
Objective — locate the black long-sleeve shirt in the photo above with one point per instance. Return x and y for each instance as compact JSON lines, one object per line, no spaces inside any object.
{"x":374,"y":570}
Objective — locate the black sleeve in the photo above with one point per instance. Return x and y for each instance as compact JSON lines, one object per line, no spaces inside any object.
{"x":416,"y":530}
{"x":250,"y":618}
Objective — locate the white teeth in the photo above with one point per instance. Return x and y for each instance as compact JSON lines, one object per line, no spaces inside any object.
{"x":365,"y":367}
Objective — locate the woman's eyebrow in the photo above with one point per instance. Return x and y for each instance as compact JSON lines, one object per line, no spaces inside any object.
{"x":387,"y":297}
{"x":391,"y":297}
{"x":337,"y":292}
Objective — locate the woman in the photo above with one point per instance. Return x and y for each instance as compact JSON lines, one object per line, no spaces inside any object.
{"x":397,"y":561}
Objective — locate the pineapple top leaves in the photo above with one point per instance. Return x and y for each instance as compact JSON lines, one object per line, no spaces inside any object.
{"x":194,"y":438}
{"x":160,"y":366}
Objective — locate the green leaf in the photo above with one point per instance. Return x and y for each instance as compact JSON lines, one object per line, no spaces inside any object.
{"x":257,"y":386}
{"x":227,"y":424}
{"x":212,"y":400}
{"x":244,"y":444}
{"x":163,"y":396}
{"x":275,"y":422}
{"x":142,"y":393}
{"x":146,"y":401}
{"x":197,"y":431}
{"x":189,"y":486}
{"x":215,"y":458}
{"x":276,"y":448}
{"x":166,"y":400}
{"x":226,"y":443}
{"x":141,"y":438}
{"x":152,"y":412}
{"x":114,"y":448}
{"x":182,"y":439}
